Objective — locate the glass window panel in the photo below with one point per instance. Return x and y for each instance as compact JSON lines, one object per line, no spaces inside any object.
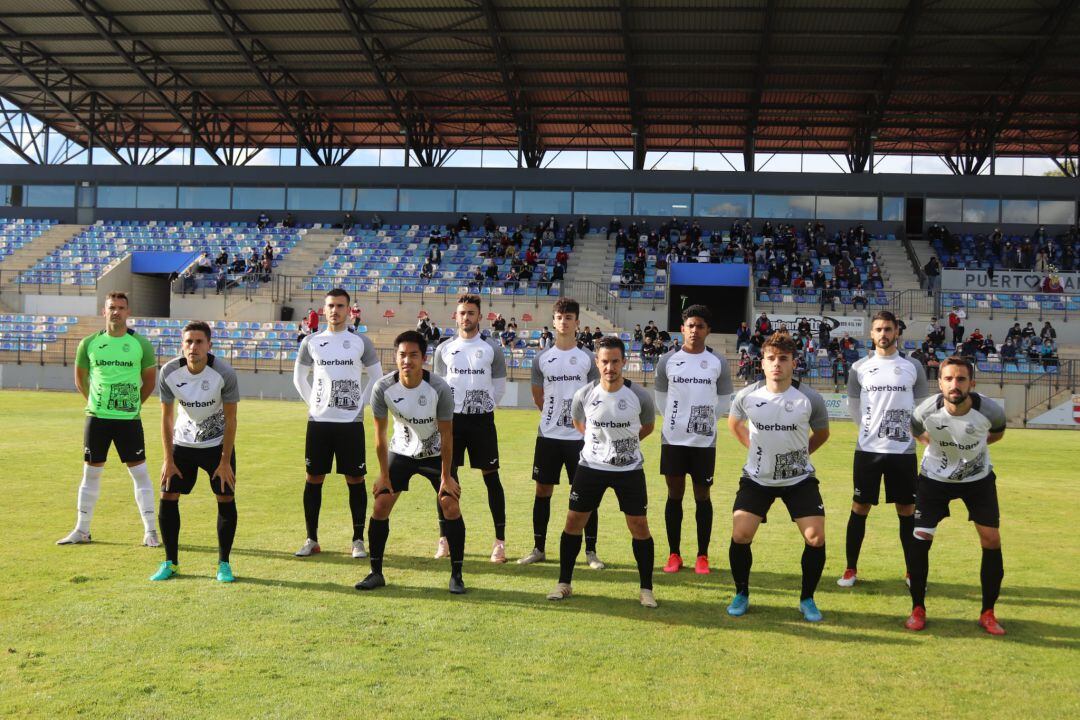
{"x":370,"y":199}
{"x":159,"y":196}
{"x":301,"y":198}
{"x":662,"y":204}
{"x":1020,"y":211}
{"x":943,"y":209}
{"x":980,"y":210}
{"x":417,"y":200}
{"x":212,"y":198}
{"x":784,"y":206}
{"x":892,"y":209}
{"x":6,"y":195}
{"x":116,"y":196}
{"x":258,"y":198}
{"x":729,"y":206}
{"x":601,"y":203}
{"x":833,"y":207}
{"x":485,"y":201}
{"x":1057,"y":212}
{"x":542,"y":201}
{"x":50,"y":196}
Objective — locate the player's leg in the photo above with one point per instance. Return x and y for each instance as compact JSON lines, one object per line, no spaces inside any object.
{"x":632,"y":493}
{"x":131,"y":447}
{"x":585,"y":495}
{"x":318,"y":459}
{"x":866,"y":477}
{"x":169,"y":508}
{"x":401,"y":471}
{"x":462,"y":442}
{"x":931,"y":507}
{"x":812,"y":529}
{"x":546,"y":478}
{"x":702,"y":477}
{"x":484,"y":456}
{"x":226,"y":513}
{"x":352,"y":463}
{"x":455,"y":531}
{"x":982,"y":503}
{"x":95,"y":451}
{"x":571,"y":451}
{"x":673,"y":516}
{"x":744,"y":526}
{"x":900,"y":479}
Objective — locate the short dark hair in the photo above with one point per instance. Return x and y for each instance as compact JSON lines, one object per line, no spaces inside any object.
{"x":117,"y":295}
{"x":197,"y":326}
{"x":782,"y":341}
{"x":885,"y":316}
{"x":566,"y":306}
{"x":411,"y":336}
{"x":611,"y":342}
{"x":961,"y":361}
{"x":339,"y":292}
{"x":698,"y":311}
{"x":469,"y":299}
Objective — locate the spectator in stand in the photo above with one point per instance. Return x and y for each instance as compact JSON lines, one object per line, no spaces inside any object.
{"x":1028,"y":331}
{"x":956,"y":323}
{"x":434,"y":254}
{"x":858,"y":296}
{"x":932,"y":269}
{"x":289,"y":221}
{"x":639,"y":336}
{"x":614,"y":227}
{"x":977,"y":336}
{"x":746,"y":366}
{"x":222,"y":281}
{"x":477,"y":281}
{"x":354,"y":314}
{"x":266,"y":269}
{"x":543,"y":282}
{"x":1008,"y":350}
{"x":742,"y":335}
{"x":1048,"y":331}
{"x":935,"y":332}
{"x":491,"y":271}
{"x":508,"y":337}
{"x":376,"y":222}
{"x":1048,"y":352}
{"x":1015,"y":333}
{"x":547,"y":339}
{"x":651,"y":349}
{"x":205,"y":264}
{"x":756,"y":341}
{"x":763,"y":325}
{"x":347,"y":222}
{"x":828,"y":295}
{"x":498,"y":324}
{"x":263,"y":221}
{"x":463,"y":224}
{"x":222,"y":259}
{"x":651,"y":330}
{"x":489,"y":224}
{"x":1052,"y":284}
{"x":312,"y":321}
{"x":557,"y":273}
{"x":989,"y":347}
{"x":562,"y":258}
{"x":427,"y":271}
{"x":583,"y":226}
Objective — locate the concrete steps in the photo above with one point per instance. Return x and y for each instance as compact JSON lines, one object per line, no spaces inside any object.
{"x":27,"y":256}
{"x":308,"y":255}
{"x":592,"y":259}
{"x":895,"y":267}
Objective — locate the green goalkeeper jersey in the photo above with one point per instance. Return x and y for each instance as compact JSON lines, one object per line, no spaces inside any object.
{"x":116,"y":365}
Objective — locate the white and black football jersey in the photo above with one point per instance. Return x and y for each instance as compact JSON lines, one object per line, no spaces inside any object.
{"x":957,"y":451}
{"x":882,"y":393}
{"x":200,"y":418}
{"x":693,"y":387}
{"x":416,"y":412}
{"x":338,"y":361}
{"x":612,"y":422}
{"x":472,"y":368}
{"x":780,"y":426}
{"x":561,"y":373}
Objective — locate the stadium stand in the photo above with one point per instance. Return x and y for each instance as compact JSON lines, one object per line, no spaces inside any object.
{"x":16,"y":233}
{"x":32,"y":333}
{"x":1039,"y":251}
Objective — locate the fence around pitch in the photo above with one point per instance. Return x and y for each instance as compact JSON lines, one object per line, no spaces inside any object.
{"x":49,"y":282}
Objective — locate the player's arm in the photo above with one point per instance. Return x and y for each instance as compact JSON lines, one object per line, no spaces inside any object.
{"x":647,"y":417}
{"x":819,"y":421}
{"x":301,"y":369}
{"x":373,"y":368}
{"x":918,"y":426}
{"x":577,"y":410}
{"x":737,"y":426}
{"x":818,"y":438}
{"x":660,"y":382}
{"x":168,"y":466}
{"x":498,"y":371}
{"x":382,"y":485}
{"x":444,"y":416}
{"x":149,"y":369}
{"x":994,"y":437}
{"x":537,"y":385}
{"x":228,"y":442}
{"x":854,"y":390}
{"x":82,"y":369}
{"x":996,"y":415}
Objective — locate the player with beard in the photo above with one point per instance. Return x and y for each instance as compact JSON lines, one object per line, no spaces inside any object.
{"x":557,"y":373}
{"x":475,"y":369}
{"x":957,"y":426}
{"x":336,"y":359}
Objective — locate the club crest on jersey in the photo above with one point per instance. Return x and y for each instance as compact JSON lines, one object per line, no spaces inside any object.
{"x":704,"y":364}
{"x":573,"y":361}
{"x":345,"y":344}
{"x":622,"y":404}
{"x":421,"y":401}
{"x":205,"y":385}
{"x":969,"y":429}
{"x":125,"y":347}
{"x":897,"y":370}
{"x":479,"y":354}
{"x":789,"y":406}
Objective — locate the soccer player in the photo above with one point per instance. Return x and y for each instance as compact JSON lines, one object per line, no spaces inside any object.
{"x":692,"y":385}
{"x":883,"y":390}
{"x":423,"y":408}
{"x":956,"y":426}
{"x":614,"y":416}
{"x":336,"y":358}
{"x":202,"y":436}
{"x":787,"y":423}
{"x":558,"y":372}
{"x":475,"y":369}
{"x":115,"y":370}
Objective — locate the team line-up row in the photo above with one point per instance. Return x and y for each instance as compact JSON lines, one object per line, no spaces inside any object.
{"x":592,"y":422}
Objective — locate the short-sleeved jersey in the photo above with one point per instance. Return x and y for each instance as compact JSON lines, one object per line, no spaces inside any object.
{"x":116,"y":365}
{"x":694,"y":383}
{"x":957,"y":451}
{"x":612,"y":422}
{"x":470,"y":367}
{"x":416,"y":412}
{"x":561,"y":373}
{"x":337,"y":360}
{"x":780,"y":425}
{"x":882,"y":393}
{"x":200,"y":419}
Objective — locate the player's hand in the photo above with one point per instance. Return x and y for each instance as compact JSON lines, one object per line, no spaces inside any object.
{"x":168,"y":470}
{"x":450,"y":486}
{"x":225,"y":473}
{"x":382,"y":486}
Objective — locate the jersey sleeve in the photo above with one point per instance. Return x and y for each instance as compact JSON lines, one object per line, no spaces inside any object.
{"x":648,"y":407}
{"x":369,"y":356}
{"x":498,"y":361}
{"x":378,"y":395}
{"x":149,"y":358}
{"x":724,"y":384}
{"x":738,"y":407}
{"x":444,"y":409}
{"x":438,"y":362}
{"x":230,"y":390}
{"x":918,"y":417}
{"x":577,"y":406}
{"x":819,"y":414}
{"x":303,"y":356}
{"x":594,"y":372}
{"x":921,"y":389}
{"x":994,"y":413}
{"x":82,"y":355}
{"x":660,"y":384}
{"x":854,"y":392}
{"x":537,"y":374}
{"x":165,"y":392}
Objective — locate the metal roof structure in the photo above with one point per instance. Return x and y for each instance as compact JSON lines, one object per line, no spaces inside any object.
{"x":968,"y":80}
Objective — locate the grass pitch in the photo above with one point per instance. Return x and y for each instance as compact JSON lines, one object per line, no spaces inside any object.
{"x":83,"y":633}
